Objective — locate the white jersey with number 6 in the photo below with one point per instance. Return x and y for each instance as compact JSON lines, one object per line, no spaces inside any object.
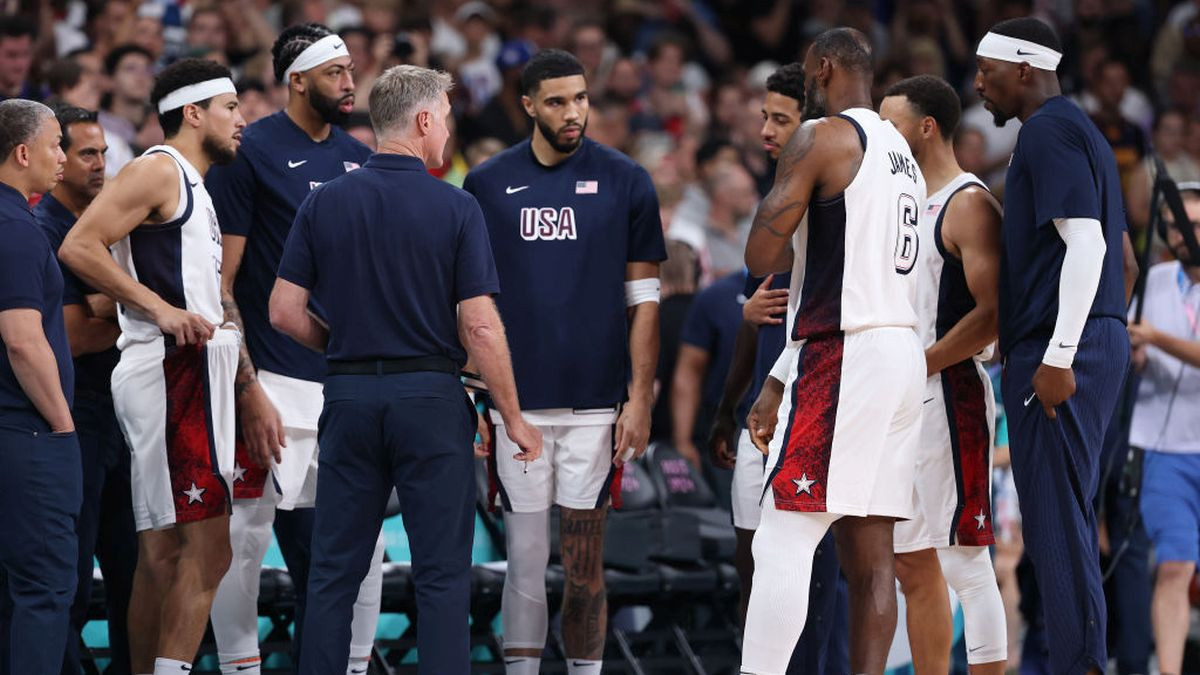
{"x":855,"y":255}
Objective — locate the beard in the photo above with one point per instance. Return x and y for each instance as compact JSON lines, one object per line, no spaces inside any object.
{"x":814,"y":101}
{"x":327,"y":107}
{"x":218,"y":153}
{"x":1000,"y":118}
{"x":551,"y":136}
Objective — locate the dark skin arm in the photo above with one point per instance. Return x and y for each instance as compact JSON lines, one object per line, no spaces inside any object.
{"x":821,"y":158}
{"x":971,"y":231}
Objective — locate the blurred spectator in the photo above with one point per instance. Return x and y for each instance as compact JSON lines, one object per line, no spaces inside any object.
{"x":666,"y":104}
{"x":359,"y":126}
{"x":1177,"y":44}
{"x":367,"y":50}
{"x":732,"y":198}
{"x":1127,"y":139}
{"x":1170,"y":130}
{"x":679,"y":275}
{"x":608,"y":123}
{"x":504,"y":116}
{"x":588,"y":41}
{"x":729,"y":99}
{"x":482,"y":150}
{"x":970,"y":150}
{"x":130,"y":70}
{"x":705,"y":352}
{"x":17,"y":36}
{"x":932,"y":34}
{"x":253,"y":100}
{"x":478,"y":75}
{"x":70,"y":82}
{"x":624,"y":81}
{"x":207,"y":31}
{"x":1183,"y":86}
{"x":111,"y":24}
{"x":691,"y":215}
{"x":1098,"y":73}
{"x":148,"y":30}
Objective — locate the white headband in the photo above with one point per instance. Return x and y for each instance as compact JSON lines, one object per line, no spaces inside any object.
{"x":201,"y":91}
{"x":1016,"y":50}
{"x":326,"y":49}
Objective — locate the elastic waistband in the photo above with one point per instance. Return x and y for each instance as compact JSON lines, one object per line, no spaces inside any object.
{"x":435,"y":364}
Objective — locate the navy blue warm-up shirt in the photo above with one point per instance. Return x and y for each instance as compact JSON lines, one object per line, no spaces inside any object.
{"x":256,"y":197}
{"x":389,"y":251}
{"x":1062,"y":167}
{"x":93,"y":372}
{"x":712,"y":324}
{"x":562,"y":236}
{"x":771,"y":340}
{"x":29,"y":279}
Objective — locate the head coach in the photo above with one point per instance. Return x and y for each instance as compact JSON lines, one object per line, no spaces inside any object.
{"x":402,"y":263}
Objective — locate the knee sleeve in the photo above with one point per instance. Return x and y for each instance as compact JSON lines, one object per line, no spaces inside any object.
{"x":366,"y":607}
{"x":523,"y":604}
{"x":784,"y":545}
{"x":235,"y":606}
{"x":968,"y":570}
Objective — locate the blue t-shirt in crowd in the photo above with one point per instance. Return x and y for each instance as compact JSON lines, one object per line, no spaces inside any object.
{"x":256,"y":197}
{"x":389,"y":251}
{"x":562,"y":236}
{"x":712,"y":325}
{"x":1062,"y":167}
{"x":93,"y":372}
{"x":29,"y":279}
{"x":771,"y":340}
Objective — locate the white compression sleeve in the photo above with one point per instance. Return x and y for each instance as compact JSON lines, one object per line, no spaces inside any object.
{"x":784,"y":545}
{"x":1077,"y":285}
{"x":968,"y":570}
{"x":523,"y":603}
{"x":235,"y":607}
{"x":366,"y":611}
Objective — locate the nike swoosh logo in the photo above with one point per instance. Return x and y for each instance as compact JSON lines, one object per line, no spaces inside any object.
{"x":339,"y":46}
{"x":1021,"y":53}
{"x":509,"y":662}
{"x":510,"y":190}
{"x":1030,"y":399}
{"x":193,"y":184}
{"x":1066,"y":346}
{"x":292,"y":165}
{"x":240,"y":668}
{"x":928,"y":400}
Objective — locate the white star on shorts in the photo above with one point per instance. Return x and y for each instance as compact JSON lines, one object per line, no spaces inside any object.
{"x":980,"y":519}
{"x":195,"y":494}
{"x":239,"y":473}
{"x":804,"y":484}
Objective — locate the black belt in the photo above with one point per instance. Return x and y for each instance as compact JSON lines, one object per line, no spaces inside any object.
{"x":434,"y":364}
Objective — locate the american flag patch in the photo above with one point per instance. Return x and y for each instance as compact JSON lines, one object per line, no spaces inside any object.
{"x":587,"y":187}
{"x":350,"y":166}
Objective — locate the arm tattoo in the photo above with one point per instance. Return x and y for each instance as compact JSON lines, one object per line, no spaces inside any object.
{"x":778,"y":212}
{"x":246,"y":375}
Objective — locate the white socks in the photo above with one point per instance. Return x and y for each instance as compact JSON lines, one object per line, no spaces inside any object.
{"x":358,"y":666}
{"x":582,"y":667}
{"x":171,"y":667}
{"x":251,"y":665}
{"x":522,"y":665}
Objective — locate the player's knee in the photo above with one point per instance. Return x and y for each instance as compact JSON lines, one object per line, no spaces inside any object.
{"x":1175,"y":574}
{"x":914,"y":574}
{"x":215,"y":558}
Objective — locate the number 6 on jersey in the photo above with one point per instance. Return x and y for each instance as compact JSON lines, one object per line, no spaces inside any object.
{"x":906,"y":234}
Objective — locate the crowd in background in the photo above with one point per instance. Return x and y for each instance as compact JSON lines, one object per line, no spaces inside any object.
{"x":675,"y":84}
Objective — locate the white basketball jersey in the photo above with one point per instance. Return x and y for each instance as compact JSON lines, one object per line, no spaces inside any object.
{"x":855,"y":256}
{"x":180,"y":260}
{"x":943,"y":297}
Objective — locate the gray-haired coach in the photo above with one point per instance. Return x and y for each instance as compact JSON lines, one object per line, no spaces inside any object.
{"x":401,"y":264}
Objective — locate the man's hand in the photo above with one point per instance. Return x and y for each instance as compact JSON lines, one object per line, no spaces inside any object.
{"x":1053,"y":386}
{"x":1142,"y":334}
{"x":764,"y":414}
{"x":633,"y":430}
{"x":766,"y":307}
{"x":262,"y":427}
{"x":101,"y":306}
{"x":483,"y":435}
{"x":186,"y":327}
{"x":526,"y":437}
{"x":722,"y":438}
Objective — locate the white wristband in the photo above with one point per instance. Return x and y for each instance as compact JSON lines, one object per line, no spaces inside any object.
{"x":785,"y":362}
{"x":642,"y":290}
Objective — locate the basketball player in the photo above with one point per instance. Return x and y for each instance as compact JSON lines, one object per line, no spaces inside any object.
{"x":105,"y":525}
{"x":1061,"y":328}
{"x":282,"y":158}
{"x":577,"y":239}
{"x":849,"y":443}
{"x":173,"y":387}
{"x":822,"y":646}
{"x":957,"y":282}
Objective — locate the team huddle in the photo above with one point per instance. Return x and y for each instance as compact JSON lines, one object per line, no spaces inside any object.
{"x":293,"y":314}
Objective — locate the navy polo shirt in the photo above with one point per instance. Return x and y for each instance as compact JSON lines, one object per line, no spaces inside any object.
{"x":389,"y":251}
{"x":29,"y":279}
{"x":1062,"y":167}
{"x":563,"y":236}
{"x":93,"y":372}
{"x":712,"y":325}
{"x":256,"y":197}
